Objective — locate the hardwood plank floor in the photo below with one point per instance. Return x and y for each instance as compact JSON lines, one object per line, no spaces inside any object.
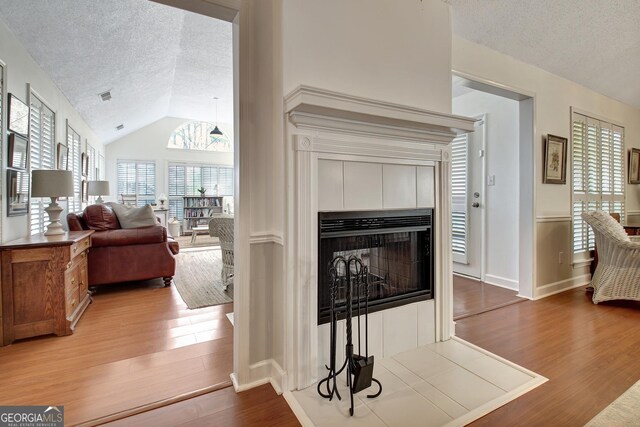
{"x":136,"y":344}
{"x":260,"y":406}
{"x":471,"y":297}
{"x":588,"y":352}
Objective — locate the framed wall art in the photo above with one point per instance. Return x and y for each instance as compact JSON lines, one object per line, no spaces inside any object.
{"x":18,"y":151}
{"x":18,"y":116}
{"x":63,"y":156}
{"x":634,"y":166}
{"x":555,"y":160}
{"x":17,"y":192}
{"x":85,"y":164}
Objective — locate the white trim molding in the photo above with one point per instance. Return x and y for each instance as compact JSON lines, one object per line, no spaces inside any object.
{"x":553,"y":218}
{"x":262,"y":237}
{"x":562,"y":285}
{"x":501,"y":282}
{"x":328,"y":125}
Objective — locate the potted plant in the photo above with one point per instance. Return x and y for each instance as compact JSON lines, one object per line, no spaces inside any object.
{"x":202,"y":190}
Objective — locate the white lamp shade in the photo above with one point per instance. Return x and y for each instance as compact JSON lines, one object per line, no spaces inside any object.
{"x":98,"y":188}
{"x":51,"y":183}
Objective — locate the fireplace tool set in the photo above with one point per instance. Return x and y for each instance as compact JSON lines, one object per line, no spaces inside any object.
{"x":349,"y":275}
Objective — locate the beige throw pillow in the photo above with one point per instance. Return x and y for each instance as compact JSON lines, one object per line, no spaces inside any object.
{"x":132,"y":217}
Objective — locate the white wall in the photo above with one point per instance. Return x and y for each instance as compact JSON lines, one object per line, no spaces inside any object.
{"x":20,"y":70}
{"x":150,"y":143}
{"x":396,"y":51}
{"x":501,"y":200}
{"x":554,"y":96}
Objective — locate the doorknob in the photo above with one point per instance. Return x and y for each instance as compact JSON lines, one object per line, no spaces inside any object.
{"x":475,"y":204}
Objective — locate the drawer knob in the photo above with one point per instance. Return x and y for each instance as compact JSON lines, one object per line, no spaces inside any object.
{"x":73,"y":280}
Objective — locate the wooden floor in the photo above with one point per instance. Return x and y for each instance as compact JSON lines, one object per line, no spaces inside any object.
{"x":133,"y":346}
{"x":471,"y":297}
{"x":260,"y":406}
{"x":590,"y":354}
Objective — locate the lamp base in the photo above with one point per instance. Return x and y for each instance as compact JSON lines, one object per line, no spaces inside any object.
{"x":55,"y":226}
{"x":99,"y":200}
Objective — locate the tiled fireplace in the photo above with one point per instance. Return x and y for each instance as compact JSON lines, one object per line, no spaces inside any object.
{"x":364,"y":163}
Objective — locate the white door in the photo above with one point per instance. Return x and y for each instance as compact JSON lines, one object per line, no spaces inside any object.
{"x":467,"y":210}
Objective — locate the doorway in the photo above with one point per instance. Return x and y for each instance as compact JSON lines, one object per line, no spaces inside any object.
{"x":492,"y":210}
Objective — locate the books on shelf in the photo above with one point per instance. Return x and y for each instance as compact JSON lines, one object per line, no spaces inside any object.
{"x":198,"y":210}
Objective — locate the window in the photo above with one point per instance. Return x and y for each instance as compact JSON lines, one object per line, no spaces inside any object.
{"x":42,"y":128}
{"x":137,"y":178}
{"x":197,"y":136}
{"x":74,"y":146}
{"x":185,"y":180}
{"x":92,"y":176}
{"x":459,"y":148}
{"x":598,"y":174}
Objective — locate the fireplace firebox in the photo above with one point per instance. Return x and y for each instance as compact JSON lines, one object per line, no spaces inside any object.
{"x":395,"y":245}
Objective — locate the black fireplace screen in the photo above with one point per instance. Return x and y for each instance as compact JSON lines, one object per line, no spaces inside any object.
{"x":396,"y":246}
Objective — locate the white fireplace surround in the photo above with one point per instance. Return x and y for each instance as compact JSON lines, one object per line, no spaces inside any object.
{"x":324,"y":125}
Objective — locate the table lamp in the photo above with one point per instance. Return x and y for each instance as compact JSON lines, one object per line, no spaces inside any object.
{"x":98,"y":188}
{"x":52,"y":183}
{"x":162,"y":198}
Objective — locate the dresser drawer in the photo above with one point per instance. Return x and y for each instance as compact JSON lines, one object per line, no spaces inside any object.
{"x":80,"y":246}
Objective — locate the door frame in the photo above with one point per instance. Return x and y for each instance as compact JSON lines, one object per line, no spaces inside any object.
{"x":528,"y":175}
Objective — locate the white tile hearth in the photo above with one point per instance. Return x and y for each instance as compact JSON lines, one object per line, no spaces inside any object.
{"x":442,"y":384}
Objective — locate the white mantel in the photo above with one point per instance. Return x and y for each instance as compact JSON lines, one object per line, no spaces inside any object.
{"x":329,"y":126}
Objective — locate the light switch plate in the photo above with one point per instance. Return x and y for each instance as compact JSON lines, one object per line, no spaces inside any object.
{"x":491,"y":180}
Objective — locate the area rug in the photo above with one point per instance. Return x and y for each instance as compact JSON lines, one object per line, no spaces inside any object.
{"x":624,"y":411}
{"x":197,"y":278}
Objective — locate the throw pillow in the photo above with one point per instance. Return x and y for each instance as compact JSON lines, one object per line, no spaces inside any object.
{"x":100,"y":217}
{"x":132,"y":217}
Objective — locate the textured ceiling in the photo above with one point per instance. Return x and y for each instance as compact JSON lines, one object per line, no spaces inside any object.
{"x":156,"y":60}
{"x":592,"y":42}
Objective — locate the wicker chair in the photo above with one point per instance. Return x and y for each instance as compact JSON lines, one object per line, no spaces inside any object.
{"x":617,"y":275}
{"x":222,"y":227}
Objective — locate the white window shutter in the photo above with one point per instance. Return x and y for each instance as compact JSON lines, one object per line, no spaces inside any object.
{"x":459,"y":214}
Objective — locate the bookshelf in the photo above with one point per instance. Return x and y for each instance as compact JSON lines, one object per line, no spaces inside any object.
{"x":198,"y":210}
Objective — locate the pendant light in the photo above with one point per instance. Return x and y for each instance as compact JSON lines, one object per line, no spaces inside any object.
{"x":215,"y":130}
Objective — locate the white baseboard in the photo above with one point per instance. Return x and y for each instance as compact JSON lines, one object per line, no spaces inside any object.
{"x":502,"y":282}
{"x":263,"y":372}
{"x":561,"y":286}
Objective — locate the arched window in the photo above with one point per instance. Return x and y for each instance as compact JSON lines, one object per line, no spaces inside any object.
{"x":197,"y":136}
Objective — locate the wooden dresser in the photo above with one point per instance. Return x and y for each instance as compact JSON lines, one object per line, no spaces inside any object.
{"x":44,"y":285}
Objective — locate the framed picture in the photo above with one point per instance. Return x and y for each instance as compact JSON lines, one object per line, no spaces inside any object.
{"x":17,"y":192}
{"x":634,"y":166}
{"x":555,"y":160}
{"x":85,"y":190}
{"x":18,"y":151}
{"x":18,"y":116}
{"x":85,"y":164}
{"x":63,"y":156}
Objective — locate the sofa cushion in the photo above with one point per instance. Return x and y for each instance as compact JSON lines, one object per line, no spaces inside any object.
{"x":100,"y":217}
{"x":132,"y":217}
{"x":131,"y":236}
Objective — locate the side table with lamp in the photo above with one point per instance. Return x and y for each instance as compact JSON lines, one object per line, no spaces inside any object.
{"x":44,"y":276}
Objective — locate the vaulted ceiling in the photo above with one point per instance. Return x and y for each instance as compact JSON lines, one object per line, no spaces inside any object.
{"x":592,"y":42}
{"x":159,"y":61}
{"x":156,"y":60}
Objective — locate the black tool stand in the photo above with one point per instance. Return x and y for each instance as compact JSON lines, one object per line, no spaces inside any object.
{"x":349,"y":275}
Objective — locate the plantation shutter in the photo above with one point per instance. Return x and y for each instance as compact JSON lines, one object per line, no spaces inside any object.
{"x":41,"y":149}
{"x":598,"y":174}
{"x":139,"y":178}
{"x":185,"y":180}
{"x":459,"y":214}
{"x":75,"y":159}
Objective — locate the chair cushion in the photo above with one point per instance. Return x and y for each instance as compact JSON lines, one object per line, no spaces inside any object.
{"x":100,"y":217}
{"x":132,"y":217}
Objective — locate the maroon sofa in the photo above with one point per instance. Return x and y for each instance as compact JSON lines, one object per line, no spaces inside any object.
{"x":123,"y":255}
